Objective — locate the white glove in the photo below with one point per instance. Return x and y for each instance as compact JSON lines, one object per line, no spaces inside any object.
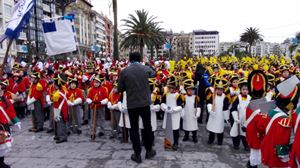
{"x":57,"y":116}
{"x":109,"y":106}
{"x":163,"y":107}
{"x":284,"y":158}
{"x":30,"y":101}
{"x":125,"y":111}
{"x":70,"y":103}
{"x":115,"y":107}
{"x":104,"y":101}
{"x":48,"y":100}
{"x":120,"y":106}
{"x":18,"y":124}
{"x":84,"y":78}
{"x":156,"y":108}
{"x":77,"y":101}
{"x":198,"y":112}
{"x":12,"y":101}
{"x":89,"y":101}
{"x":209,"y":108}
{"x":177,"y":109}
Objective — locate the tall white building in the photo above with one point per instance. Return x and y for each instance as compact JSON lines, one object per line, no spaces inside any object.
{"x":266,"y":48}
{"x":99,"y":29}
{"x":6,"y":7}
{"x":205,"y":42}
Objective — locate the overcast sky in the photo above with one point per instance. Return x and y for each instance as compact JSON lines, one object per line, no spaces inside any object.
{"x":276,"y":19}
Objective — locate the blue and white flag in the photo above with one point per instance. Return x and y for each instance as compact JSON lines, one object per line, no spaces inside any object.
{"x":59,"y":35}
{"x":19,"y":19}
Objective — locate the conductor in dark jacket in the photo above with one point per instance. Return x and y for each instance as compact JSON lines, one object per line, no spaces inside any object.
{"x":134,"y":81}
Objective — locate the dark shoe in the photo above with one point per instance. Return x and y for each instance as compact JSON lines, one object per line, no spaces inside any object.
{"x":195,"y":140}
{"x":55,"y":138}
{"x":185,"y":138}
{"x":236,"y":147}
{"x":175,"y":147}
{"x":61,"y":141}
{"x":136,"y":158}
{"x":69,"y":133}
{"x":209,"y":142}
{"x":32,"y":129}
{"x":79,"y":131}
{"x":2,"y":164}
{"x":150,"y":154}
{"x":100,"y":134}
{"x":85,"y":122}
{"x":247,"y":149}
{"x":220,"y":144}
{"x":49,"y":130}
{"x":38,"y":130}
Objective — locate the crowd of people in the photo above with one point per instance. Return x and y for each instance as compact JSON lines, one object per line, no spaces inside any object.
{"x":246,"y":93}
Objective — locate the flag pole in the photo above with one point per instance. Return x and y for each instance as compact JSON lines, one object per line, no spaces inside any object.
{"x":6,"y":53}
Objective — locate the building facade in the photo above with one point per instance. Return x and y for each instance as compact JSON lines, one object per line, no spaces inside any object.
{"x":183,"y":44}
{"x":108,"y":47}
{"x":205,"y":42}
{"x":6,"y":7}
{"x":84,"y":26}
{"x":99,"y":34}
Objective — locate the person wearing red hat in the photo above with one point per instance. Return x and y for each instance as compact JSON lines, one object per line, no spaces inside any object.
{"x":7,"y":118}
{"x":35,"y":101}
{"x":50,"y":90}
{"x":256,"y":121}
{"x":294,"y":161}
{"x":17,"y":89}
{"x":60,"y":108}
{"x":112,"y":105}
{"x":75,"y":98}
{"x":279,"y":128}
{"x":87,"y":83}
{"x":97,"y":99}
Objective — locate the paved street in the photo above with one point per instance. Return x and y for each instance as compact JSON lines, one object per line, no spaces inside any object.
{"x":38,"y":150}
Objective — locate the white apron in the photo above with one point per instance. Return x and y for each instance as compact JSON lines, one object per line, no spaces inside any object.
{"x":189,"y":117}
{"x":215,"y":122}
{"x":241,"y":116}
{"x":172,"y":102}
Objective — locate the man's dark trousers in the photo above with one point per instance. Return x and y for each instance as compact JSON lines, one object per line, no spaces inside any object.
{"x":145,"y":114}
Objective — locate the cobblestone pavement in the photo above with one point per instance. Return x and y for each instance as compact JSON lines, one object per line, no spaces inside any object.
{"x":38,"y":150}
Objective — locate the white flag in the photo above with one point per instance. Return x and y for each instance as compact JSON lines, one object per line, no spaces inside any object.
{"x":19,"y":19}
{"x":59,"y":36}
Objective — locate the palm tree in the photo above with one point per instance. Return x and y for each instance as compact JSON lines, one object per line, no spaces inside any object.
{"x":116,"y":41}
{"x":251,"y":36}
{"x":140,"y":31}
